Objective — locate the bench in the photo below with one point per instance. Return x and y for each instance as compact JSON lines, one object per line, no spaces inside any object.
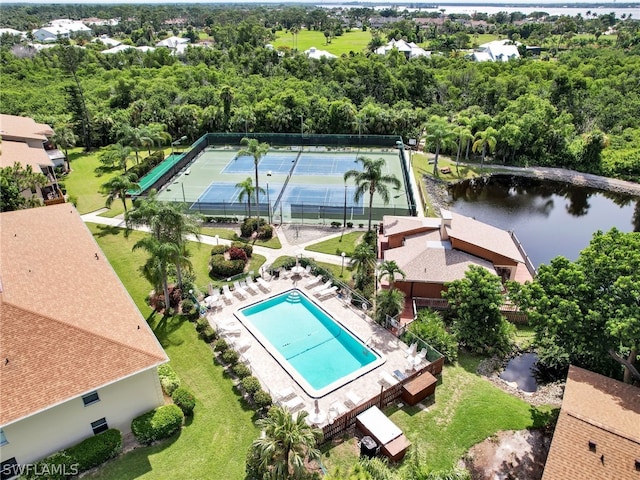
{"x":445,"y":170}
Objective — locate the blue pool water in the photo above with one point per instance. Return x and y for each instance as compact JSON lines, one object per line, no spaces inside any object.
{"x":316,"y":351}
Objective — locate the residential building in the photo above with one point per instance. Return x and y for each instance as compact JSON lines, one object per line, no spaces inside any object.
{"x":12,"y":32}
{"x":598,"y":431}
{"x":108,"y":41}
{"x":497,"y":51}
{"x":408,"y":49}
{"x":29,"y":143}
{"x":77,"y":357}
{"x":60,"y":28}
{"x":313,"y":52}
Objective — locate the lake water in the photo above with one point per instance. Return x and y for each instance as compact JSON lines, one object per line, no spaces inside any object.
{"x":549,"y":218}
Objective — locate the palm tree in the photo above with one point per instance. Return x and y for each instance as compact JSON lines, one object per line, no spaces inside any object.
{"x":371,"y":179}
{"x":118,"y":187}
{"x":161,"y":254}
{"x":389,"y":268}
{"x":363,"y":262}
{"x":463,"y":134}
{"x":64,"y":138}
{"x":485,"y":139}
{"x":135,"y":137}
{"x":253,"y":148}
{"x":247,"y":190}
{"x":388,"y":302}
{"x":116,"y":154}
{"x":154,"y":134}
{"x":226,"y":95}
{"x":439,"y":134}
{"x":286,"y":444}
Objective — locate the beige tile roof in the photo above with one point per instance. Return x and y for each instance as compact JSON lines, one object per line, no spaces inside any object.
{"x":601,"y":410}
{"x":393,"y":225}
{"x":423,"y":259}
{"x":12,"y":152}
{"x":68,"y":325}
{"x":15,"y":127}
{"x":483,"y":235}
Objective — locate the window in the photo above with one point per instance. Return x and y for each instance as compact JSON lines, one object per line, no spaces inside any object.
{"x":99,"y":426}
{"x":90,"y":398}
{"x":3,"y":439}
{"x":9,"y":468}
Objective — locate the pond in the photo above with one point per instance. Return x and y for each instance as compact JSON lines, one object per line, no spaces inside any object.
{"x":549,"y":218}
{"x":520,"y":370}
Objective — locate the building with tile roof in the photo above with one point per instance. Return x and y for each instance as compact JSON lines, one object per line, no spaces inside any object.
{"x":598,"y":431}
{"x":77,"y":357}
{"x":408,"y":49}
{"x":434,"y":251}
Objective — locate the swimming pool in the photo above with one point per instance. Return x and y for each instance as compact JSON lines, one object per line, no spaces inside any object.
{"x":316,"y":351}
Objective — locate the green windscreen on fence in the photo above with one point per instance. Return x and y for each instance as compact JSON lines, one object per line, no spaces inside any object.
{"x":156,"y":172}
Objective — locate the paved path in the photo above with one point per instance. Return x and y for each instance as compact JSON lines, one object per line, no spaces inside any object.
{"x":270,"y":253}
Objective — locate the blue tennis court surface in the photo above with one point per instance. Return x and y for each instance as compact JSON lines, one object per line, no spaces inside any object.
{"x":324,"y":164}
{"x":278,"y":163}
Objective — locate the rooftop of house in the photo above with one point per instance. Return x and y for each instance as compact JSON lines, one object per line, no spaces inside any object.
{"x":68,"y":324}
{"x":394,"y":225}
{"x":313,"y":52}
{"x":12,"y":152}
{"x":14,"y":127}
{"x":598,"y":431}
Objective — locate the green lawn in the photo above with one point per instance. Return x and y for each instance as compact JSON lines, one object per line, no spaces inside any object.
{"x":354,"y":40}
{"x":218,"y":437}
{"x":337,"y":245}
{"x":467,"y":409}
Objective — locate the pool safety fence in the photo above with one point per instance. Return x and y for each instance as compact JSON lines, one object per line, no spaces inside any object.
{"x":387,"y":396}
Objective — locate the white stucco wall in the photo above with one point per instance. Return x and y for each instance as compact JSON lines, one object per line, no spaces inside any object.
{"x":44,"y":433}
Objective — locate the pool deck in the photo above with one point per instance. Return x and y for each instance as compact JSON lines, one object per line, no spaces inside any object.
{"x":274,"y":378}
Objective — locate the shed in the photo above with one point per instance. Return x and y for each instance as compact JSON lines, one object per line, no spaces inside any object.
{"x":419,"y":388}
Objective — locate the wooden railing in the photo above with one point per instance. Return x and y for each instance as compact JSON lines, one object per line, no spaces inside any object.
{"x":510,"y":311}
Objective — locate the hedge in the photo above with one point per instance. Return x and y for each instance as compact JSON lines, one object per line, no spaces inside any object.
{"x":221,"y":345}
{"x":201,"y":324}
{"x":241,"y":370}
{"x":248,"y":248}
{"x":185,"y":400}
{"x":250,"y":384}
{"x":221,"y":267}
{"x":208,"y":334}
{"x":230,"y":357}
{"x":265,"y":232}
{"x":249,"y":226}
{"x":87,"y":454}
{"x":169,"y":379}
{"x":262,"y":399}
{"x":156,"y":424}
{"x":219,"y":249}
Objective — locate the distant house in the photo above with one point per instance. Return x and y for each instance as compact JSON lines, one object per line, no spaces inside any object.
{"x":123,"y":47}
{"x":29,"y":143}
{"x":177,"y":45}
{"x":58,"y":29}
{"x":108,"y":41}
{"x":408,"y":49}
{"x":11,"y":31}
{"x":379,"y":21}
{"x":497,"y":51}
{"x":77,"y":355}
{"x":434,"y":251}
{"x":313,"y":52}
{"x":598,"y":431}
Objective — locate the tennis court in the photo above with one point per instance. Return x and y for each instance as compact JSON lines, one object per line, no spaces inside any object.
{"x":296,"y":185}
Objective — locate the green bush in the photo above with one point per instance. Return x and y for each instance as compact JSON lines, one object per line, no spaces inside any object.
{"x":189,"y":309}
{"x":241,"y":370}
{"x":249,"y":226}
{"x":55,"y":465}
{"x":185,"y":400}
{"x":221,"y":345}
{"x":97,"y":449}
{"x":201,"y":324}
{"x":336,"y":224}
{"x":223,"y":268}
{"x":219,"y":249}
{"x":431,"y":328}
{"x":159,"y":423}
{"x":265,"y":232}
{"x":237,"y":254}
{"x":208,"y":334}
{"x":230,"y":356}
{"x":262,"y":399}
{"x":248,"y":248}
{"x":250,"y":384}
{"x":168,"y":379}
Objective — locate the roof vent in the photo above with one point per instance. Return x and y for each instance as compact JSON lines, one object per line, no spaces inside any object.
{"x":592,"y":446}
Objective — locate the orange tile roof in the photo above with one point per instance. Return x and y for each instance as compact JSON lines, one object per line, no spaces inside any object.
{"x":15,"y":127}
{"x":68,"y":325}
{"x":601,"y":410}
{"x":12,"y":152}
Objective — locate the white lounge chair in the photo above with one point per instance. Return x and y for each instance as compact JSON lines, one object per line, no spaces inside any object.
{"x":284,"y":394}
{"x":241,"y":345}
{"x":307,"y":271}
{"x":238,"y":290}
{"x":283,"y":273}
{"x":353,"y":399}
{"x":386,"y":379}
{"x":228,"y":297}
{"x":326,"y":292}
{"x":264,"y":284}
{"x":253,"y":287}
{"x":293,"y":404}
{"x":229,"y":329}
{"x":324,"y":286}
{"x":313,"y":281}
{"x":411,"y":351}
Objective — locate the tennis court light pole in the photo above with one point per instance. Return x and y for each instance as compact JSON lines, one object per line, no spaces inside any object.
{"x":268,"y":199}
{"x":176,"y":142}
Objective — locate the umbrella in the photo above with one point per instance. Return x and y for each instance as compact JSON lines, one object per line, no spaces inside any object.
{"x":318,"y":416}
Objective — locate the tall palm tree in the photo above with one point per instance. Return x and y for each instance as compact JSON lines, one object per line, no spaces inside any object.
{"x":162,"y":254}
{"x":439,"y":134}
{"x":485,"y":140}
{"x":64,"y":138}
{"x":389,"y":268}
{"x":247,"y":190}
{"x":286,"y":444}
{"x":116,"y":154}
{"x":363,"y":262}
{"x":371,"y":179}
{"x":135,"y":137}
{"x":118,"y":187}
{"x":464,"y":135}
{"x":388,"y":302}
{"x":253,"y":148}
{"x":154,"y":134}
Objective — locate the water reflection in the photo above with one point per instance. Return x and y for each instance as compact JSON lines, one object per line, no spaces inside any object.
{"x":550,"y":218}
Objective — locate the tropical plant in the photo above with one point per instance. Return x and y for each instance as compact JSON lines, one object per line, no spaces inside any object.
{"x":463,"y":135}
{"x":485,"y":140}
{"x":135,"y":137}
{"x":247,"y":190}
{"x":439,"y":134}
{"x":14,"y":181}
{"x":388,"y":303}
{"x":117,"y":187}
{"x":287,"y":443}
{"x":64,"y":138}
{"x":161,"y":255}
{"x":371,"y":179}
{"x":253,"y":148}
{"x":116,"y":154}
{"x":389,"y":268}
{"x":363,"y":262}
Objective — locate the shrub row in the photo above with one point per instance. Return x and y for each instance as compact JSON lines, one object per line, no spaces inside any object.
{"x":159,"y":423}
{"x":87,"y":454}
{"x":221,"y":219}
{"x":185,"y":401}
{"x":147,"y":164}
{"x":221,"y":267}
{"x":169,"y":379}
